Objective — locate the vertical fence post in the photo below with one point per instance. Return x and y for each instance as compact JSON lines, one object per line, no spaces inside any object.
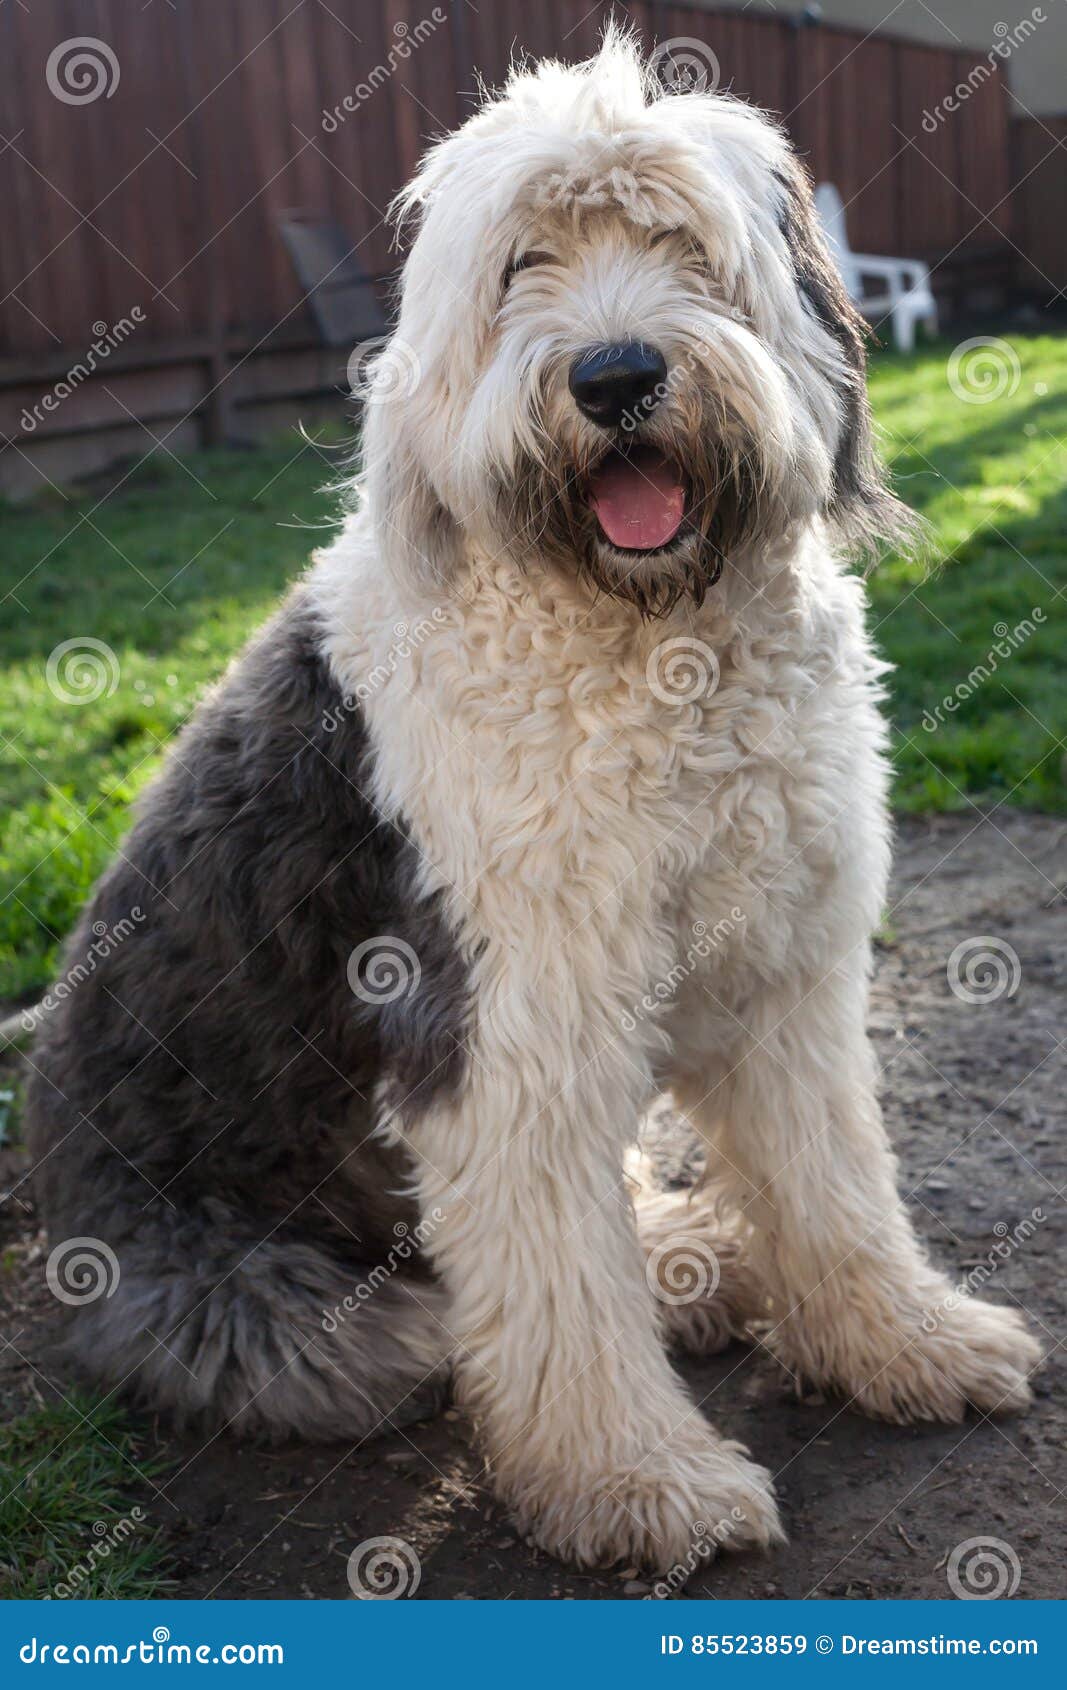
{"x":216,"y":414}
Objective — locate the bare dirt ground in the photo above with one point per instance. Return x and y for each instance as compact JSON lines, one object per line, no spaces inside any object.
{"x":974,"y":1094}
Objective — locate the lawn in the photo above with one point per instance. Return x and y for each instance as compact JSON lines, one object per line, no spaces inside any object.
{"x":172,"y":567}
{"x":984,"y":613}
{"x":70,"y":1527}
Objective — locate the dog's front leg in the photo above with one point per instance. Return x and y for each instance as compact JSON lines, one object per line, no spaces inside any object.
{"x":592,"y":1440}
{"x":853,"y":1302}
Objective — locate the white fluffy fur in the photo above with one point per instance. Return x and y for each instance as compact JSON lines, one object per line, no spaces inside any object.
{"x":578,"y":826}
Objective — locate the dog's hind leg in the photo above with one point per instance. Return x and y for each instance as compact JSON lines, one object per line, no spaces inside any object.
{"x":696,"y":1262}
{"x":211,"y":1324}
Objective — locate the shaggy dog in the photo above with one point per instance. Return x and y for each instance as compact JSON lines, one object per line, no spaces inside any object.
{"x":555,"y":785}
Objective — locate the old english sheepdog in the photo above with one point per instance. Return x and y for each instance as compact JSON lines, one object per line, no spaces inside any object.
{"x":556,"y":785}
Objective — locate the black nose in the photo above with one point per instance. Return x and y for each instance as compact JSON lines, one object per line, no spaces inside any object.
{"x":613,"y":385}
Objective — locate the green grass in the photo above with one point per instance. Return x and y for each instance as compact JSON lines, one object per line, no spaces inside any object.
{"x":207,"y":560}
{"x":991,"y":479}
{"x":172,"y":572}
{"x":75,"y":1518}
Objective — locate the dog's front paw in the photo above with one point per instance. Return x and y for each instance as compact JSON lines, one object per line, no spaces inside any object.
{"x":929,"y":1364}
{"x":966,"y":1352}
{"x":670,"y":1510}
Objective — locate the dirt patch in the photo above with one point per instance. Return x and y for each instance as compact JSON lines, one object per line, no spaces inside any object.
{"x":974,"y":1094}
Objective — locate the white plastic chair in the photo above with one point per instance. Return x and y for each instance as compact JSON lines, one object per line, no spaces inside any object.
{"x":903,"y":285}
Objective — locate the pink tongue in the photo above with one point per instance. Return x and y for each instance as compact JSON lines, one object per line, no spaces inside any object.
{"x":639,"y":501}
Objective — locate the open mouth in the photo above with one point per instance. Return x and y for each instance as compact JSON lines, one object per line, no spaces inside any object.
{"x":638,"y":498}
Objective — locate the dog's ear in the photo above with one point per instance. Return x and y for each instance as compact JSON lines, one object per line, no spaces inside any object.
{"x":419,"y":535}
{"x":861,"y":506}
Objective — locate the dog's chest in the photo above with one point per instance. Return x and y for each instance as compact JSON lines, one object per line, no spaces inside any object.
{"x":590,"y":776}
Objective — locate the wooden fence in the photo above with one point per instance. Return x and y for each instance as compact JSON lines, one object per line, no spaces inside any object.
{"x":1040,"y":160}
{"x":165,"y":191}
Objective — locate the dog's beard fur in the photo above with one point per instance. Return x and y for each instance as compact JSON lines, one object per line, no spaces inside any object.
{"x":542,"y":509}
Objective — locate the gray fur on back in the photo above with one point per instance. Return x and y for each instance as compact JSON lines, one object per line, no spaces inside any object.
{"x":203,"y":1100}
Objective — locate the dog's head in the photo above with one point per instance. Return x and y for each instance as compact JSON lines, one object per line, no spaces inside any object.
{"x":623,"y":344}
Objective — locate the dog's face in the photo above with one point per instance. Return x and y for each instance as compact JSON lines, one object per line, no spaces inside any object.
{"x":633,"y":355}
{"x":637,"y":448}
